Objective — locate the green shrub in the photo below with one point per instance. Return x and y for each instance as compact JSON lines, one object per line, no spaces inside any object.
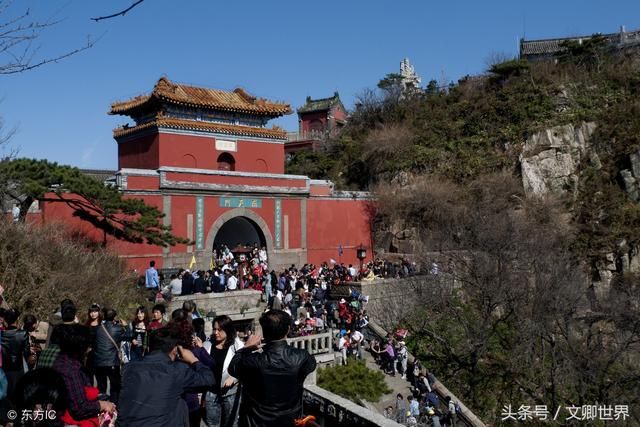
{"x":354,"y":382}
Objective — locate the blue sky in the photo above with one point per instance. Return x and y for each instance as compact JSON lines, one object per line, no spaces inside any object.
{"x":281,"y":50}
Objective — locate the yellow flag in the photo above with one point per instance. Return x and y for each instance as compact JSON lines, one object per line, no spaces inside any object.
{"x":211,"y":265}
{"x":193,"y":262}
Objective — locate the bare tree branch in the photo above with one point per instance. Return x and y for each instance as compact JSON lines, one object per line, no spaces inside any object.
{"x":121,"y":13}
{"x":26,"y":65}
{"x":18,"y":52}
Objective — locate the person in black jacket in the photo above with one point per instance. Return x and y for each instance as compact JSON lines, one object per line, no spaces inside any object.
{"x":272,"y":380}
{"x":106,"y":353}
{"x":151,"y":396}
{"x":15,"y":349}
{"x":201,"y":284}
{"x":188,"y":283}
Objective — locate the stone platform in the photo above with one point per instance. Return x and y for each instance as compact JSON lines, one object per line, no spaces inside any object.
{"x":241,"y":306}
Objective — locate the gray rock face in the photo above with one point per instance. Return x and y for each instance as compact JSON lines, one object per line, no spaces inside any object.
{"x":550,"y":159}
{"x":631,"y":178}
{"x":630,"y":185}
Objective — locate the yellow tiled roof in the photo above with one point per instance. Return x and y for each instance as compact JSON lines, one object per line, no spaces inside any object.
{"x":172,"y":123}
{"x":237,"y":101}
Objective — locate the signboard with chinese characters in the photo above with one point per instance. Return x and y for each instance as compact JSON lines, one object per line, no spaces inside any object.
{"x":240,"y":202}
{"x":277,"y":240}
{"x":199,"y":223}
{"x":222,"y":145}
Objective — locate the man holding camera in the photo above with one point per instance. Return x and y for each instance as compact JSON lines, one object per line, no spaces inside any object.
{"x":153,"y":387}
{"x":272,"y":379}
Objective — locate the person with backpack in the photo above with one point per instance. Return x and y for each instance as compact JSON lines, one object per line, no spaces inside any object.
{"x":107,"y":355}
{"x":450,"y":417}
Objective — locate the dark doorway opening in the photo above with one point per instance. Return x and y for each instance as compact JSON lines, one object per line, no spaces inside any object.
{"x":239,"y":231}
{"x":226,"y":162}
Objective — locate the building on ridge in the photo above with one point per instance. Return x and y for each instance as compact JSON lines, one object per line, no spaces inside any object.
{"x":318,"y":120}
{"x":547,"y":49}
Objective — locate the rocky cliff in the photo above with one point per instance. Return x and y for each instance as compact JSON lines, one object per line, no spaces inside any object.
{"x":551,"y":159}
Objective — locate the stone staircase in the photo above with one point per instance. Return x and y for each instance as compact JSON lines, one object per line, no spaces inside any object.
{"x":395,"y":383}
{"x":398,"y":385}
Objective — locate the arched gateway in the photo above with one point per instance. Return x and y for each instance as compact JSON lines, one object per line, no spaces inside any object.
{"x":240,"y":225}
{"x":203,"y":156}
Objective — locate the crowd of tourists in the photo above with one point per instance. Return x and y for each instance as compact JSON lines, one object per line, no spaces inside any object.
{"x":95,"y":364}
{"x":422,"y":405}
{"x":249,"y":269}
{"x":174,"y":375}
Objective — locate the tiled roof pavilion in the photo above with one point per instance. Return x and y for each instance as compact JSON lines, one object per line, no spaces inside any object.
{"x":238,"y":101}
{"x":322,"y":104}
{"x":150,"y":112}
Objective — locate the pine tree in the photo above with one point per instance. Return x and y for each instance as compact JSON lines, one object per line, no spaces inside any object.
{"x":27,"y":180}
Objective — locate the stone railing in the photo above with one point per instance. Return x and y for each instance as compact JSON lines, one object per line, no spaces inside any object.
{"x":314,"y":344}
{"x":331,"y":409}
{"x":306,"y":136}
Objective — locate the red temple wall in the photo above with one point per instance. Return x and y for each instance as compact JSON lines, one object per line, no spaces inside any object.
{"x":143,"y":182}
{"x":320,"y":190}
{"x":190,"y":151}
{"x":137,"y":255}
{"x":331,"y":223}
{"x":307,"y":118}
{"x":139,"y":153}
{"x":198,"y":152}
{"x":339,"y":114}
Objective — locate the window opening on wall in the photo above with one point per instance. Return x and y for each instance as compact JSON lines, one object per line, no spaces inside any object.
{"x":226,"y":162}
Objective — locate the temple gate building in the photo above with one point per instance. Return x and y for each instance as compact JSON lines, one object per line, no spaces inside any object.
{"x":208,"y":161}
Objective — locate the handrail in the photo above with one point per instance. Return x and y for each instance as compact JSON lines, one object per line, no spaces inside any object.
{"x":314,"y":344}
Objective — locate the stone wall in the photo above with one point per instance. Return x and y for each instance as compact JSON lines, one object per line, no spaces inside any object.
{"x":241,"y":306}
{"x":392,"y":299}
